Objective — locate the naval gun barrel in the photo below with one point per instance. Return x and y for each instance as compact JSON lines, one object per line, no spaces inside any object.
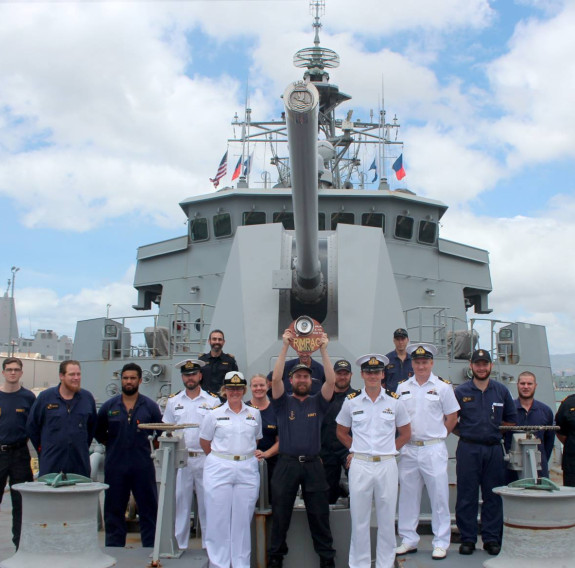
{"x":301,"y":102}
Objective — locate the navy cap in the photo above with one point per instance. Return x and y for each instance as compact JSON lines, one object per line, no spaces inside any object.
{"x":235,"y":379}
{"x":188,"y":366}
{"x":299,"y":367}
{"x":480,"y":355}
{"x":372,"y":362}
{"x":342,"y":365}
{"x":422,"y":350}
{"x":400,"y":332}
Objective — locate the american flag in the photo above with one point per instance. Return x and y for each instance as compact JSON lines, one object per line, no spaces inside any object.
{"x":222,"y":170}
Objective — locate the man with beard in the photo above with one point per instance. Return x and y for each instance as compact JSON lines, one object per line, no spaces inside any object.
{"x":303,"y":358}
{"x":62,"y":423}
{"x":129,"y":466}
{"x":531,"y":412}
{"x":299,"y":417}
{"x":333,"y":453}
{"x":399,"y":367}
{"x":217,"y":363}
{"x":190,"y":406}
{"x":485,"y":405}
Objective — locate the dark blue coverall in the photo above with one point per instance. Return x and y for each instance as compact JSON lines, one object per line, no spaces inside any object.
{"x":128,"y":467}
{"x":397,"y":370}
{"x":62,"y":430}
{"x":479,"y":458}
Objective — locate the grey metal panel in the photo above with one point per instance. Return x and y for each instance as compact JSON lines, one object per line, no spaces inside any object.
{"x":163,"y":247}
{"x":463,"y":251}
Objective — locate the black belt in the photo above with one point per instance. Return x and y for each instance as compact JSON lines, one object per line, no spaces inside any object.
{"x":15,"y":446}
{"x":301,"y":459}
{"x":481,"y":443}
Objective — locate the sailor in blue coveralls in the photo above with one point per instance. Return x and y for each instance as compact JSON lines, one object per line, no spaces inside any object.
{"x":62,"y":423}
{"x":531,"y":412}
{"x":485,"y":405}
{"x":15,"y":404}
{"x":399,"y":367}
{"x":128,"y":466}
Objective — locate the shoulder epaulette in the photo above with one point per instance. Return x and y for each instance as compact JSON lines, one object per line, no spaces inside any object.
{"x":214,"y":407}
{"x":353,"y":394}
{"x":174,"y":394}
{"x":213,"y":394}
{"x":230,"y":355}
{"x":404,"y":380}
{"x":391,"y":393}
{"x":444,"y":380}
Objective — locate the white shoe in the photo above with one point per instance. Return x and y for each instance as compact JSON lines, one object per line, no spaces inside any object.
{"x":405,"y":549}
{"x":439,"y":553}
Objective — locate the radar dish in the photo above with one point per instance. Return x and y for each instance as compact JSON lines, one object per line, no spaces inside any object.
{"x":316,"y":58}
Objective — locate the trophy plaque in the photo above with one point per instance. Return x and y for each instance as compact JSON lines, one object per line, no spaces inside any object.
{"x":307,"y":334}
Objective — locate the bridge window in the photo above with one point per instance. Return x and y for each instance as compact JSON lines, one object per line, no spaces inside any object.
{"x":321,"y":221}
{"x":222,"y":225}
{"x":285,"y":218}
{"x":427,"y":232}
{"x":254,"y":218}
{"x":341,"y":217}
{"x":199,"y":229}
{"x":373,"y":220}
{"x":403,"y":227}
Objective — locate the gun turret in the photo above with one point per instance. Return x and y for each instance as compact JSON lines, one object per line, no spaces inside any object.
{"x":301,"y":101}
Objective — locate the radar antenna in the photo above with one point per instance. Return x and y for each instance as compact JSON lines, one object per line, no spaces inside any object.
{"x":316,"y":59}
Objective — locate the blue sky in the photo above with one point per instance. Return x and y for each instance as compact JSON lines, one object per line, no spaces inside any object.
{"x":113,"y":112}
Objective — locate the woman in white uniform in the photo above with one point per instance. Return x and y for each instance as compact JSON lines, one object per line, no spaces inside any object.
{"x":229,"y":435}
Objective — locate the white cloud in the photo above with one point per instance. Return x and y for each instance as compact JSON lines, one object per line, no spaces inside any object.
{"x":534,"y":84}
{"x":44,"y":308}
{"x":531,"y":280}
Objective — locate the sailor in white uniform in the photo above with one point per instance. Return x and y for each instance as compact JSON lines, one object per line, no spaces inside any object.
{"x":433,"y":408}
{"x":229,"y":436}
{"x":190,"y":406}
{"x":373,"y":415}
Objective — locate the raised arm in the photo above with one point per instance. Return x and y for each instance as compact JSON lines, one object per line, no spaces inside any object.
{"x":277,"y":375}
{"x":329,"y":385}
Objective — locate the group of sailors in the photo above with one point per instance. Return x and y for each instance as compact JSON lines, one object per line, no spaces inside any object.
{"x":309,"y":424}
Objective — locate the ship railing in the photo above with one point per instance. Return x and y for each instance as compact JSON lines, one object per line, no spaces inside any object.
{"x":432,"y":324}
{"x":503,"y":349}
{"x":184,"y":331}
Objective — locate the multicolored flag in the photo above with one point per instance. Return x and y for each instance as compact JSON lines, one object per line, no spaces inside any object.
{"x":248,"y":164}
{"x":238,"y":169}
{"x":222,"y":170}
{"x":398,"y":168}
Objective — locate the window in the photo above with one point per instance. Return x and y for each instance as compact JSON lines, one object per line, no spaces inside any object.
{"x":254,"y":218}
{"x":345,"y":218}
{"x":199,"y":229}
{"x":285,"y":218}
{"x":373,"y":220}
{"x":427,"y":232}
{"x":222,"y":225}
{"x":321,"y":221}
{"x":403,"y":227}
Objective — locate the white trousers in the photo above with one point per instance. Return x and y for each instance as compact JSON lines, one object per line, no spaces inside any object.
{"x":188,"y":480}
{"x":372,"y":482}
{"x":231,"y":490}
{"x":421,"y":465}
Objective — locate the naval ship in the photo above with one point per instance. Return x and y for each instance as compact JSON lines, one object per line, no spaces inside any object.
{"x":316,"y":242}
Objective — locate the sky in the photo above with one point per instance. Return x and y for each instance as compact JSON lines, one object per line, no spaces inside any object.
{"x":111,"y":113}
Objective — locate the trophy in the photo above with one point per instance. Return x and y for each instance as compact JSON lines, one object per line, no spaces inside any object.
{"x":307,"y":334}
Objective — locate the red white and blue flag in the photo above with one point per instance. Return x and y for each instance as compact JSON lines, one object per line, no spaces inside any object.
{"x":238,"y":169}
{"x":248,"y":164}
{"x":222,"y":170}
{"x":398,"y":168}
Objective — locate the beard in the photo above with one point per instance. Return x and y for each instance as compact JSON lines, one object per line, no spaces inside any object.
{"x":130,"y":389}
{"x":301,"y":389}
{"x":482,"y":378}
